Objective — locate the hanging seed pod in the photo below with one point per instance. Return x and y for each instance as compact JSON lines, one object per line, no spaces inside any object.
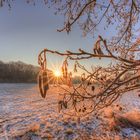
{"x":66,"y":72}
{"x":83,"y":77}
{"x":70,"y":79}
{"x":65,"y":104}
{"x":68,"y":27}
{"x":65,"y":69}
{"x":92,"y":88}
{"x":62,"y":69}
{"x":43,"y":83}
{"x":89,"y":83}
{"x":101,"y":79}
{"x":75,"y":68}
{"x":45,"y":80}
{"x":43,"y":76}
{"x":97,"y":47}
{"x":80,"y":110}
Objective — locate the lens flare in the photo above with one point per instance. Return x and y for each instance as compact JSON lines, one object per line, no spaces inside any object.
{"x":57,"y":73}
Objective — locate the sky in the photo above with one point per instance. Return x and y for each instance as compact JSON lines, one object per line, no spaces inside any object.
{"x":26,"y":29}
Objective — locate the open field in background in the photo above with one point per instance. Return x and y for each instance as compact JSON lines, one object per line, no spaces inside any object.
{"x":25,"y":115}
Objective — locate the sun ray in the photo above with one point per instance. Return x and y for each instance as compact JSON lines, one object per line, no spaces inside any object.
{"x":57,"y":73}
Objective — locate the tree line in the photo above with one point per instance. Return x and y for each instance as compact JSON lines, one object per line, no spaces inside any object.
{"x":18,"y":72}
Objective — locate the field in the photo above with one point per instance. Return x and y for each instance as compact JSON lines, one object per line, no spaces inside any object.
{"x":25,"y":115}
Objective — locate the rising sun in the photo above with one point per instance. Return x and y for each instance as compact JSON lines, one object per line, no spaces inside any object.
{"x":57,"y":73}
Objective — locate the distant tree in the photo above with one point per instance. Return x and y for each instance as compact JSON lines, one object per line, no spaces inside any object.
{"x":123,"y":48}
{"x":18,"y":72}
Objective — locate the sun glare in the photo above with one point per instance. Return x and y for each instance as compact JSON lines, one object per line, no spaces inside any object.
{"x":57,"y":73}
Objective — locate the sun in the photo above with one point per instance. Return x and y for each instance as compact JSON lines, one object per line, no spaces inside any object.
{"x":57,"y":73}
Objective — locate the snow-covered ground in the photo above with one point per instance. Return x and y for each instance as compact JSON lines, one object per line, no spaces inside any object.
{"x":25,"y":115}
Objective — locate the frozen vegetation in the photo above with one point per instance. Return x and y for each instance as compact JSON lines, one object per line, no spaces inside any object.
{"x":24,"y":115}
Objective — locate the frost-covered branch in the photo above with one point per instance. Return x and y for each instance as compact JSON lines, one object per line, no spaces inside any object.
{"x":100,"y":87}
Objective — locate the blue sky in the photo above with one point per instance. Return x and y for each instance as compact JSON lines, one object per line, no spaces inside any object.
{"x":26,"y":29}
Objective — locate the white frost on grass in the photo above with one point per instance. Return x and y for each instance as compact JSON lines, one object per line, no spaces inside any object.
{"x":25,"y":115}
